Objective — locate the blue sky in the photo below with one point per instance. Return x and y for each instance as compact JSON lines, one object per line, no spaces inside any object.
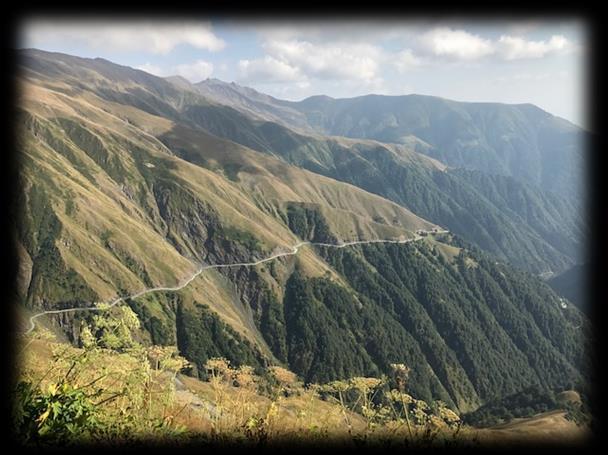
{"x":535,"y":62}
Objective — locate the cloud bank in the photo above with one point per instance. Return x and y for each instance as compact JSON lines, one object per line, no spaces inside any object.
{"x":293,"y":57}
{"x":150,"y":37}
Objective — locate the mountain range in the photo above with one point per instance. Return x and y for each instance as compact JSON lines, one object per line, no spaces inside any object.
{"x":502,"y":205}
{"x":131,"y":181}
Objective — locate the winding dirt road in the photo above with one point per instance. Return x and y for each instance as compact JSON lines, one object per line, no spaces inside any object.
{"x":294,"y":250}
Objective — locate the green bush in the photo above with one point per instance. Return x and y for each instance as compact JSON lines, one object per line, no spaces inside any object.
{"x":59,"y":415}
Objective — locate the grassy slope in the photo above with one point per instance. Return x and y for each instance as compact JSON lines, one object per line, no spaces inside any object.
{"x":547,"y":428}
{"x":177,"y":195}
{"x":535,"y":230}
{"x":194,"y":405}
{"x":94,"y":167}
{"x":490,"y":218}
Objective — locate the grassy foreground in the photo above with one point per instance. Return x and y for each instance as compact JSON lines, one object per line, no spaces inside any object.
{"x":114,"y":390}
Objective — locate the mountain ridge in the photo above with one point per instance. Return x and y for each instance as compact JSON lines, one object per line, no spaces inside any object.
{"x":328,"y":156}
{"x":331,"y":116}
{"x":124,"y":188}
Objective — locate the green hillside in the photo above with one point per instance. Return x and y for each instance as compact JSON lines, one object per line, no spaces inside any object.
{"x":521,"y":140}
{"x":127,"y":185}
{"x":534,"y":229}
{"x":573,"y":284}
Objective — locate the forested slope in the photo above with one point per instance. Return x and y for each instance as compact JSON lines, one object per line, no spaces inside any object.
{"x":127,"y":185}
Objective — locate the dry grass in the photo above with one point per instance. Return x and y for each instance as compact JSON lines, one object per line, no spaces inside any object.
{"x":550,"y":427}
{"x":255,"y":203}
{"x":448,"y":252}
{"x":230,"y":407}
{"x":302,"y":412}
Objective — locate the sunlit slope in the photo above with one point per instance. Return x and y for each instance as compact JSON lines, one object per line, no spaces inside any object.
{"x":271,"y":182}
{"x":518,"y":140}
{"x":257,"y":104}
{"x":123,"y":191}
{"x":110,"y":209}
{"x":518,"y":202}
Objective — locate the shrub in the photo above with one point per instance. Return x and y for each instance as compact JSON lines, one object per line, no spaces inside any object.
{"x":59,"y":415}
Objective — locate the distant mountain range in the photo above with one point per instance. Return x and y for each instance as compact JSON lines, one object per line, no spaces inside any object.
{"x":131,"y":181}
{"x":520,"y":141}
{"x":506,"y":204}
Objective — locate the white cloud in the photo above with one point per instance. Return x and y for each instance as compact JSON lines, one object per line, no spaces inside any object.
{"x":299,"y":62}
{"x":156,"y":38}
{"x":303,"y":84}
{"x":196,"y":71}
{"x":336,"y":60}
{"x":289,"y":60}
{"x":406,"y":60}
{"x":460,"y":44}
{"x":267,"y":70}
{"x":464,"y":46}
{"x":512,"y":47}
{"x":307,"y":60}
{"x":354,"y":67}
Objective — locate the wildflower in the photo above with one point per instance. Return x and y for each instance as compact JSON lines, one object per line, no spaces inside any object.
{"x":155,"y":353}
{"x":420,"y":417}
{"x":219,"y":366}
{"x":421,"y":404}
{"x":435,"y":422}
{"x":448,"y":416}
{"x":86,"y":337}
{"x":364,"y":384}
{"x":243,"y":376}
{"x":336,"y":386}
{"x":401,"y":373}
{"x":283,"y":375}
{"x":400,"y":397}
{"x":368,"y":412}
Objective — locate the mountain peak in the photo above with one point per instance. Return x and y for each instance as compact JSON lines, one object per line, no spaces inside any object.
{"x":179,"y":81}
{"x":215,"y":81}
{"x":179,"y":78}
{"x":318,"y":98}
